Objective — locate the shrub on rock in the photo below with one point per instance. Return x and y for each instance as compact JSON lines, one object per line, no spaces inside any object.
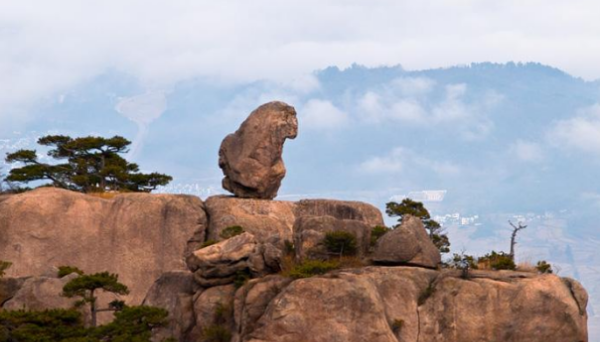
{"x":231,"y":231}
{"x":340,"y":243}
{"x":543,"y":267}
{"x":497,"y":261}
{"x":311,"y":268}
{"x":66,"y":270}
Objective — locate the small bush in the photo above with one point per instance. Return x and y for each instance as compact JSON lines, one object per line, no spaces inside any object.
{"x":4,"y":265}
{"x":497,"y":261}
{"x":208,"y":243}
{"x":289,"y":247}
{"x":311,"y":268}
{"x":463,"y":262}
{"x":340,"y":243}
{"x":543,"y":267}
{"x":376,"y":233}
{"x":241,"y":278}
{"x":66,"y":270}
{"x":397,"y":325}
{"x":230,"y":232}
{"x":216,"y":333}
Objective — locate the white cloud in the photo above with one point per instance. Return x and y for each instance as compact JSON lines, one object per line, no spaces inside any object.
{"x":581,"y":133}
{"x":413,"y":86}
{"x":48,"y":47}
{"x":406,"y":101}
{"x":399,"y":158}
{"x":527,"y":151}
{"x":320,"y":114}
{"x":142,"y":109}
{"x":391,"y":163}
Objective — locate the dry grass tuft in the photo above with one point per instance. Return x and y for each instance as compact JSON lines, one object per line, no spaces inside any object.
{"x":526,"y":266}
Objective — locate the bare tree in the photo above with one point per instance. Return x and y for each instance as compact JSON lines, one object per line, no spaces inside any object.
{"x":513,"y":237}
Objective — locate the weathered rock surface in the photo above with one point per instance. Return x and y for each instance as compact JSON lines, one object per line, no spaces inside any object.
{"x":252,"y":300}
{"x":174,"y":292}
{"x":251,"y":157}
{"x":407,"y":244}
{"x":213,"y":306}
{"x":138,"y":236}
{"x":390,"y":304}
{"x":41,"y":293}
{"x":314,"y":218}
{"x":341,"y":210}
{"x":268,"y":221}
{"x":219,"y":264}
{"x":309,"y":232}
{"x":9,"y":287}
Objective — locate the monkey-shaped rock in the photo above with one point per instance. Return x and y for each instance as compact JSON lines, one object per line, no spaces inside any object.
{"x":251,"y":157}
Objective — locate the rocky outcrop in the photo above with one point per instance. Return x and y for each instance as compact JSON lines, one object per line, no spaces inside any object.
{"x":174,"y":292}
{"x":390,"y":304}
{"x":269,"y":221}
{"x":408,"y":244}
{"x":9,"y":287}
{"x":138,"y":236}
{"x":341,"y":210}
{"x":310,"y":231}
{"x":222,"y":263}
{"x":41,"y":293}
{"x":251,"y":157}
{"x":315,"y":218}
{"x":213,"y":308}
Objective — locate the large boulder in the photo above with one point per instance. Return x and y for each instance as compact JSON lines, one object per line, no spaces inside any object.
{"x":390,"y":304}
{"x":269,"y":221}
{"x":138,"y":236}
{"x":213,"y":308}
{"x":174,"y":292}
{"x":41,"y":293}
{"x":251,"y":157}
{"x":315,"y":218}
{"x":408,"y":244}
{"x":310,"y":231}
{"x":9,"y":287}
{"x":223,"y":262}
{"x":341,"y":210}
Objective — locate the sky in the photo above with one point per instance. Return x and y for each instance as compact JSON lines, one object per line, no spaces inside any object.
{"x":47,"y":47}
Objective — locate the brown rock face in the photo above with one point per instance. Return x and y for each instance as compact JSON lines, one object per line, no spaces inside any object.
{"x":407,"y":244}
{"x":138,"y":236}
{"x":251,"y":157}
{"x":341,"y":210}
{"x":220,"y":263}
{"x":390,"y":304}
{"x":268,"y":221}
{"x":9,"y":287}
{"x":309,"y":232}
{"x":174,"y":292}
{"x":41,"y":293}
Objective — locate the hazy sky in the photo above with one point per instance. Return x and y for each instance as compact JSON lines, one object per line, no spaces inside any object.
{"x":48,"y":46}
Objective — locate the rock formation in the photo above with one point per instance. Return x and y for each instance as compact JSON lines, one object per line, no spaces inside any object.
{"x":221,"y":263}
{"x":251,"y":157}
{"x":268,"y":221}
{"x":41,"y":293}
{"x":146,"y":237}
{"x":138,"y":236}
{"x":174,"y":292}
{"x":390,"y":304}
{"x":408,"y":244}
